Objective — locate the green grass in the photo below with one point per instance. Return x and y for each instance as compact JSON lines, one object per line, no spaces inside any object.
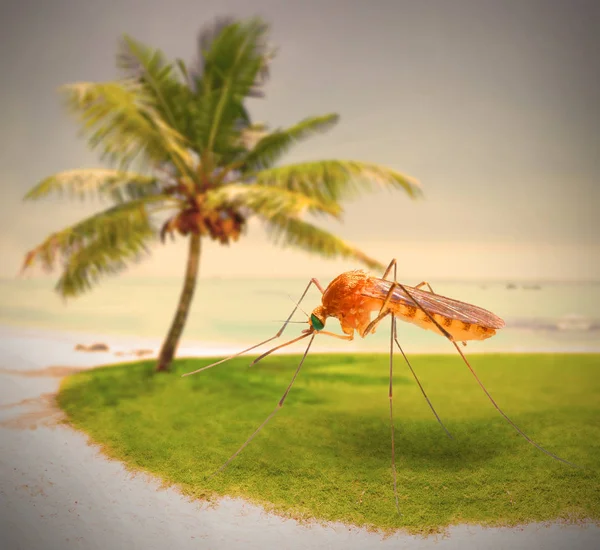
{"x":326,"y":454}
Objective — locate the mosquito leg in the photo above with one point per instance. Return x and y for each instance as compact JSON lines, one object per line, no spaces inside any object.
{"x":278,"y":406}
{"x":325,"y":332}
{"x":389,"y":268}
{"x":449,"y":337}
{"x":506,"y":417}
{"x":269,"y":352}
{"x":390,"y":396}
{"x":418,"y":382}
{"x":348,"y":337}
{"x":373,"y":324}
{"x":317,"y":284}
{"x":383,"y":311}
{"x":425,"y":283}
{"x":410,"y":366}
{"x":279,"y":333}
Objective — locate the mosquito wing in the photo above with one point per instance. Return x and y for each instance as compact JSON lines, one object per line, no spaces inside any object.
{"x":434,"y":303}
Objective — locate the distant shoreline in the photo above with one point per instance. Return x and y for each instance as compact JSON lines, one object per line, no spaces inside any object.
{"x":58,"y":347}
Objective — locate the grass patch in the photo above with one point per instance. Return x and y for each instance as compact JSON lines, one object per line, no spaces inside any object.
{"x":326,"y":454}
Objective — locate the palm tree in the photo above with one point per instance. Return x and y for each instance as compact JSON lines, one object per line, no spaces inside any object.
{"x":179,"y":139}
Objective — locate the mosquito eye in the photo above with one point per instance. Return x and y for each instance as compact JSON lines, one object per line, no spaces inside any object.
{"x":316,"y":323}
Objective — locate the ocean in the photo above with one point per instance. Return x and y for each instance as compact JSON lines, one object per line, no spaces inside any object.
{"x":232,"y":314}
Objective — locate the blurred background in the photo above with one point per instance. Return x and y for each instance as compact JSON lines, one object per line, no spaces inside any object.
{"x":492,"y":105}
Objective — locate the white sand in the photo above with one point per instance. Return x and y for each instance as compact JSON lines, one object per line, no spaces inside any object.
{"x":59,"y":492}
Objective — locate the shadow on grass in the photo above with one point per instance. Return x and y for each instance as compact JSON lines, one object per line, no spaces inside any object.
{"x":419,"y":444}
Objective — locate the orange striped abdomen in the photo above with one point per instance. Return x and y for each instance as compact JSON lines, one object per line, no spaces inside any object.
{"x":459,"y":330}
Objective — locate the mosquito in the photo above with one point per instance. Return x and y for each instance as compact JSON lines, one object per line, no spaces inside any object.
{"x":351,"y":298}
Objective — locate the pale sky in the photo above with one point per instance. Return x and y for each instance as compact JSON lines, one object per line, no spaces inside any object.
{"x":492,"y":105}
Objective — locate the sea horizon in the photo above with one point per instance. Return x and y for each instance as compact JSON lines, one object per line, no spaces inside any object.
{"x":229,"y":314}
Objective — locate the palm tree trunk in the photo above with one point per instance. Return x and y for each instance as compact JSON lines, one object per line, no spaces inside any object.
{"x":169,"y":346}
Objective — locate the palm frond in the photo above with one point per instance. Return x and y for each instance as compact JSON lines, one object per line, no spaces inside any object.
{"x":291,"y":231}
{"x":250,"y":135}
{"x":101,"y":244}
{"x":268,"y":202}
{"x":214,"y":38}
{"x":233,"y":59}
{"x":121,"y":119}
{"x":205,"y":40}
{"x":138,"y":61}
{"x":269,"y":148}
{"x":150,"y":67}
{"x":98,"y":182}
{"x":334,"y":180}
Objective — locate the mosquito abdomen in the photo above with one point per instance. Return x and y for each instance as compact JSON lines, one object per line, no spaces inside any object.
{"x":459,"y":330}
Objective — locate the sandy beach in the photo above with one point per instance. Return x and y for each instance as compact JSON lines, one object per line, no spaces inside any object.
{"x":60,"y":492}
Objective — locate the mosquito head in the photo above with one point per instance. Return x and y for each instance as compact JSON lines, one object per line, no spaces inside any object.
{"x":317,"y":319}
